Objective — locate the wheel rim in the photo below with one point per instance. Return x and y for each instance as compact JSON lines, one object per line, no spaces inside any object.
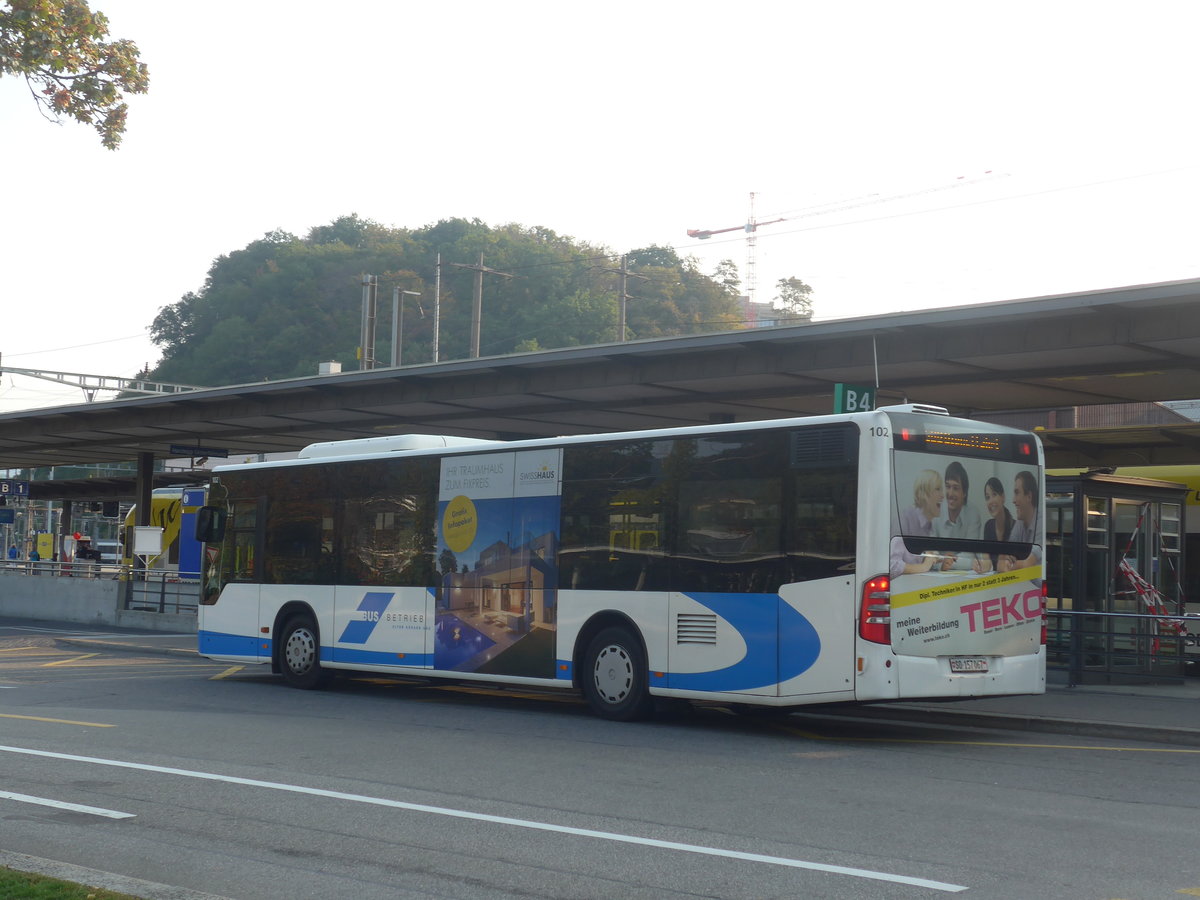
{"x":300,"y":651}
{"x":613,"y":674}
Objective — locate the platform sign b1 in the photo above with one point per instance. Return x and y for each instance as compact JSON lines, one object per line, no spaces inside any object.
{"x":850,"y":398}
{"x":10,"y":488}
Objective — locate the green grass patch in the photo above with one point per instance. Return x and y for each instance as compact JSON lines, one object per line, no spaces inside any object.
{"x":16,"y":885}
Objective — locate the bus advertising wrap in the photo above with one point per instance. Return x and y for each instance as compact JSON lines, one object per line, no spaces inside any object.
{"x":966,"y":556}
{"x":497,"y":547}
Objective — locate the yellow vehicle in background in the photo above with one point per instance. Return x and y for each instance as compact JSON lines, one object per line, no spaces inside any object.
{"x":172,"y":509}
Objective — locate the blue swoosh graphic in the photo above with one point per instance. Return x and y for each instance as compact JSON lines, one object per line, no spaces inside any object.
{"x":359,"y":630}
{"x":780,"y":643}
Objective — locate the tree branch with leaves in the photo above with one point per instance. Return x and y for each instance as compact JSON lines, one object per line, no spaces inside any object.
{"x":59,"y":47}
{"x":795,"y":296}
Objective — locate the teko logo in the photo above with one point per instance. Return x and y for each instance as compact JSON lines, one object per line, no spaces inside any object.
{"x":1003,"y":610}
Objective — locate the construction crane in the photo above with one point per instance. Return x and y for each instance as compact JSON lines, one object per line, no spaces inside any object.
{"x":90,"y":384}
{"x":752,"y":224}
{"x":751,"y":227}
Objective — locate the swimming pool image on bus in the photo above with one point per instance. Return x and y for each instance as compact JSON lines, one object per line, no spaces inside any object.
{"x":455,"y":642}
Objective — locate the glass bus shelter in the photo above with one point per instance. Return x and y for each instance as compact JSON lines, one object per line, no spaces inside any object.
{"x":1114,"y":567}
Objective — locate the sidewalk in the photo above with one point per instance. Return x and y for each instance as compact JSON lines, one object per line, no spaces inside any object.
{"x":1162,"y":713}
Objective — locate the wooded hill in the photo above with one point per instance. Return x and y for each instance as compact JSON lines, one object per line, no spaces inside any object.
{"x":283,"y":304}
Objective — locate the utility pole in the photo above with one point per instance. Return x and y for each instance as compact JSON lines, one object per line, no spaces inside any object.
{"x":437,"y":304}
{"x":477,"y":303}
{"x":398,"y":320}
{"x":366,"y":349}
{"x":625,"y":274}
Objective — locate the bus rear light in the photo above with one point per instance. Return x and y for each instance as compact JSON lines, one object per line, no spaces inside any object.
{"x":875,"y":615}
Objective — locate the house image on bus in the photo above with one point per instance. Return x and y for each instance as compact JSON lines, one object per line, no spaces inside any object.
{"x":500,"y":615}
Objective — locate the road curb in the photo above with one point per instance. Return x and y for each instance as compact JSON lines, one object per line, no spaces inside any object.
{"x":97,"y":878}
{"x":1020,"y":722}
{"x":126,"y":647}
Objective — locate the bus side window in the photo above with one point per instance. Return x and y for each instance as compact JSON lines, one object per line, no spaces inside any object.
{"x":614,"y":502}
{"x":210,"y":524}
{"x":823,"y":502}
{"x":730,"y":507}
{"x":240,"y":553}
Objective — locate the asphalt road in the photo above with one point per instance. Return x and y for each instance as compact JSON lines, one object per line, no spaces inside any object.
{"x":220,"y":779}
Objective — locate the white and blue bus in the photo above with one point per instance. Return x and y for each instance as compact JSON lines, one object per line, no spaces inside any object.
{"x":780,"y":563}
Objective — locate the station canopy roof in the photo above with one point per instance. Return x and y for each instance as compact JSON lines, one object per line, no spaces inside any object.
{"x":1119,"y":345}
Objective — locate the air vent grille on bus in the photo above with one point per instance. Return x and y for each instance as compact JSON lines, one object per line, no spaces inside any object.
{"x":815,"y":447}
{"x":695,"y":628}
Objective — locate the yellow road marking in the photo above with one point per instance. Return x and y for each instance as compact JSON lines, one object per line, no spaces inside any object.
{"x":57,"y":721}
{"x":16,"y":649}
{"x":1191,"y":892}
{"x":230,"y":671}
{"x":813,"y":736}
{"x":64,"y":662}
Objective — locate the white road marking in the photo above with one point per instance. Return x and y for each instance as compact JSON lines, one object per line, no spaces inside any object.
{"x":74,"y":807}
{"x":503,"y":820}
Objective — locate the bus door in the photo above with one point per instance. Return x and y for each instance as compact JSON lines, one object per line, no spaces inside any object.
{"x":229,"y":618}
{"x":238,"y":632}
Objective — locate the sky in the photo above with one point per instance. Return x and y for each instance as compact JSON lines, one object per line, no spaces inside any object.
{"x":919,"y":154}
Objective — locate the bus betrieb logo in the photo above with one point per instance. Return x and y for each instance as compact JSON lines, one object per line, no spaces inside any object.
{"x":371,"y":608}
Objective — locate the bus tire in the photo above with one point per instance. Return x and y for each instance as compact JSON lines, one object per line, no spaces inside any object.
{"x":300,"y":654}
{"x":615,"y":676}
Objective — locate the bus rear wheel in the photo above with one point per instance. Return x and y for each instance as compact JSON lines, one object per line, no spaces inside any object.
{"x":300,"y":654}
{"x":614,"y":676}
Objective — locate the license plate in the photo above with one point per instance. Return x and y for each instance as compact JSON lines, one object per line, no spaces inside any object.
{"x":968,"y":664}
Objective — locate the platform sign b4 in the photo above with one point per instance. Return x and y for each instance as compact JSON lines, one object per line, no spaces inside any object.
{"x":851,"y":398}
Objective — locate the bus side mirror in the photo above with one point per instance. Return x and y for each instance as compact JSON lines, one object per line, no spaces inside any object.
{"x":210,"y":524}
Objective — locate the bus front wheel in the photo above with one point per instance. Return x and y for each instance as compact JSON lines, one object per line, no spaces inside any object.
{"x":615,"y":679}
{"x":300,"y":654}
